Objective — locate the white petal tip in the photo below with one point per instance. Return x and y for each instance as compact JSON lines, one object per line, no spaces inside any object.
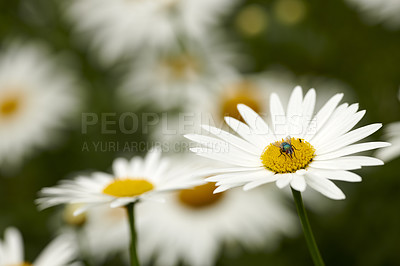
{"x":298,"y":87}
{"x":219,"y":190}
{"x":299,"y":189}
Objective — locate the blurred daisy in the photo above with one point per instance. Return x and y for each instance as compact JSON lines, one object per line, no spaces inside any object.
{"x":193,"y":225}
{"x":119,"y":27}
{"x":297,"y":149}
{"x":179,"y":76}
{"x":137,"y":179}
{"x":386,"y":11}
{"x":60,"y":252}
{"x":102,"y":232}
{"x":392,"y":134}
{"x":35,"y":100}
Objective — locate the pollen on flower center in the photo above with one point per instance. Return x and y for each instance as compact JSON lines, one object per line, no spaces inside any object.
{"x":9,"y":106}
{"x":279,"y":159}
{"x":21,"y":264}
{"x":128,"y":187}
{"x":200,"y":196}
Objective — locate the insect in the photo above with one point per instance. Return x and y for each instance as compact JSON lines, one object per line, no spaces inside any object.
{"x":286,"y":147}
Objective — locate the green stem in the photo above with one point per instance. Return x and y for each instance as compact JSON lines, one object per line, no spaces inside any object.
{"x":131,"y":214}
{"x":312,"y":245}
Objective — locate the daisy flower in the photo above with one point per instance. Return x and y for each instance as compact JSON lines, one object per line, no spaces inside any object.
{"x":60,"y":252}
{"x":36,"y":99}
{"x":297,"y":149}
{"x":131,"y":181}
{"x":119,"y":27}
{"x":193,"y":224}
{"x":385,"y":11}
{"x":177,"y":77}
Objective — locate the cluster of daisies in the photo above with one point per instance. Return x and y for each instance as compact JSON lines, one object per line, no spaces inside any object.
{"x":188,"y":208}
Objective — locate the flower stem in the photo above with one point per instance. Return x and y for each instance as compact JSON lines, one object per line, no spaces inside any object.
{"x":312,"y":245}
{"x":131,"y":214}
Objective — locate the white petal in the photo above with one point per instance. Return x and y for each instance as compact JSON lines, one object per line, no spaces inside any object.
{"x":325,"y":112}
{"x":231,"y":178}
{"x":231,"y":157}
{"x":278,"y":116}
{"x":352,"y":149}
{"x":338,"y":175}
{"x":335,"y":164}
{"x":254,"y":121}
{"x":294,"y":115}
{"x":59,"y":252}
{"x":14,"y":245}
{"x":324,"y":186}
{"x":259,"y":182}
{"x":82,"y":209}
{"x":238,"y":142}
{"x":283,"y":180}
{"x":295,"y":103}
{"x":209,"y":172}
{"x":362,"y":160}
{"x":209,"y":142}
{"x":246,"y":132}
{"x":121,"y":202}
{"x":222,"y":189}
{"x":120,"y":167}
{"x":332,"y":123}
{"x":348,"y":138}
{"x":151,"y":160}
{"x":298,"y":183}
{"x":308,"y":109}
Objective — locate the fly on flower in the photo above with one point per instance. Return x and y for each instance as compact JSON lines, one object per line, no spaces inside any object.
{"x":286,"y":147}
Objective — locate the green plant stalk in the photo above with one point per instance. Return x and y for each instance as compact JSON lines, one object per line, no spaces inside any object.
{"x":311,"y":244}
{"x":133,"y":250}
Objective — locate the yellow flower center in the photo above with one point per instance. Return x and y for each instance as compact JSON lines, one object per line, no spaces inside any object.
{"x":200,"y":196}
{"x":22,"y":264}
{"x":284,"y":157}
{"x":128,"y":187}
{"x":69,"y":218}
{"x":243,"y":92}
{"x":9,"y":105}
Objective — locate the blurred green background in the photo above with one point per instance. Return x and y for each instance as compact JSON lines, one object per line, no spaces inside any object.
{"x":331,"y":40}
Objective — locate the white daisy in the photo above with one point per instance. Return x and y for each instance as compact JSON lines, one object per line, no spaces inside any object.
{"x":392,"y":134}
{"x":60,"y":252}
{"x":297,"y":149}
{"x":193,"y":224}
{"x":119,"y":27}
{"x":376,"y":11}
{"x":177,"y":77}
{"x":137,"y":179}
{"x":35,"y":100}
